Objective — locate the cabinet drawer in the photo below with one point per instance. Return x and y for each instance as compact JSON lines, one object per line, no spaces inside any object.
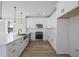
{"x":12,"y":53}
{"x":15,"y":48}
{"x":11,"y":46}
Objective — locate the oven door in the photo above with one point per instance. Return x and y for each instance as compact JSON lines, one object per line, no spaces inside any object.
{"x":39,"y":35}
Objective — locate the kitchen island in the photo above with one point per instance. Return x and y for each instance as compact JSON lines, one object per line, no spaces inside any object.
{"x":13,"y":46}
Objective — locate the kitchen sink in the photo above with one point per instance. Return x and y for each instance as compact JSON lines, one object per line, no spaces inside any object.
{"x":22,"y":34}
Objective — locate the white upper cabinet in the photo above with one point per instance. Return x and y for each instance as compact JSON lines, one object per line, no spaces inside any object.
{"x":70,"y":8}
{"x":31,"y":22}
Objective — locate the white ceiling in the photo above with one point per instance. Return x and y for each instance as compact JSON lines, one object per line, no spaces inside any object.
{"x":31,"y":8}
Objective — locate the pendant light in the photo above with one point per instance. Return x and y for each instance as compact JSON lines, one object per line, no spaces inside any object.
{"x":21,"y":16}
{"x":15,"y":14}
{"x":1,"y":10}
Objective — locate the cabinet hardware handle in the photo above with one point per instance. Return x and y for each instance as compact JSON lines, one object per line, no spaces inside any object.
{"x":13,"y":44}
{"x":13,"y":51}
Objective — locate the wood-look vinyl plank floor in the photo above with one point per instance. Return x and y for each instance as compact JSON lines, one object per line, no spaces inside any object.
{"x":40,"y":49}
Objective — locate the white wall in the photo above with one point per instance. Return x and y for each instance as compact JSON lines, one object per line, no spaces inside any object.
{"x":2,"y":26}
{"x":53,"y":34}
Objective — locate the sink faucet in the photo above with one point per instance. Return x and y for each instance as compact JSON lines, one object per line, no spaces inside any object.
{"x":19,"y":31}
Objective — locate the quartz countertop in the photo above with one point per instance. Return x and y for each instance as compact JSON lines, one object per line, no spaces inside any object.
{"x":8,"y":38}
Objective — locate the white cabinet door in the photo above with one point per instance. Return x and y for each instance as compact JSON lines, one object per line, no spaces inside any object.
{"x":74,"y":36}
{"x":62,"y":36}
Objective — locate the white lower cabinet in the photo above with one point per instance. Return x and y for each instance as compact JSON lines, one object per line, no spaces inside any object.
{"x":19,"y":45}
{"x":14,"y":49}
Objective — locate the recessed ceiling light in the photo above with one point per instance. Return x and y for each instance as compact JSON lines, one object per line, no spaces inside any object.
{"x":27,"y":13}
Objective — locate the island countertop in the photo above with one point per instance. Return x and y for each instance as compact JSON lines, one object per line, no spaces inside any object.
{"x":8,"y":38}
